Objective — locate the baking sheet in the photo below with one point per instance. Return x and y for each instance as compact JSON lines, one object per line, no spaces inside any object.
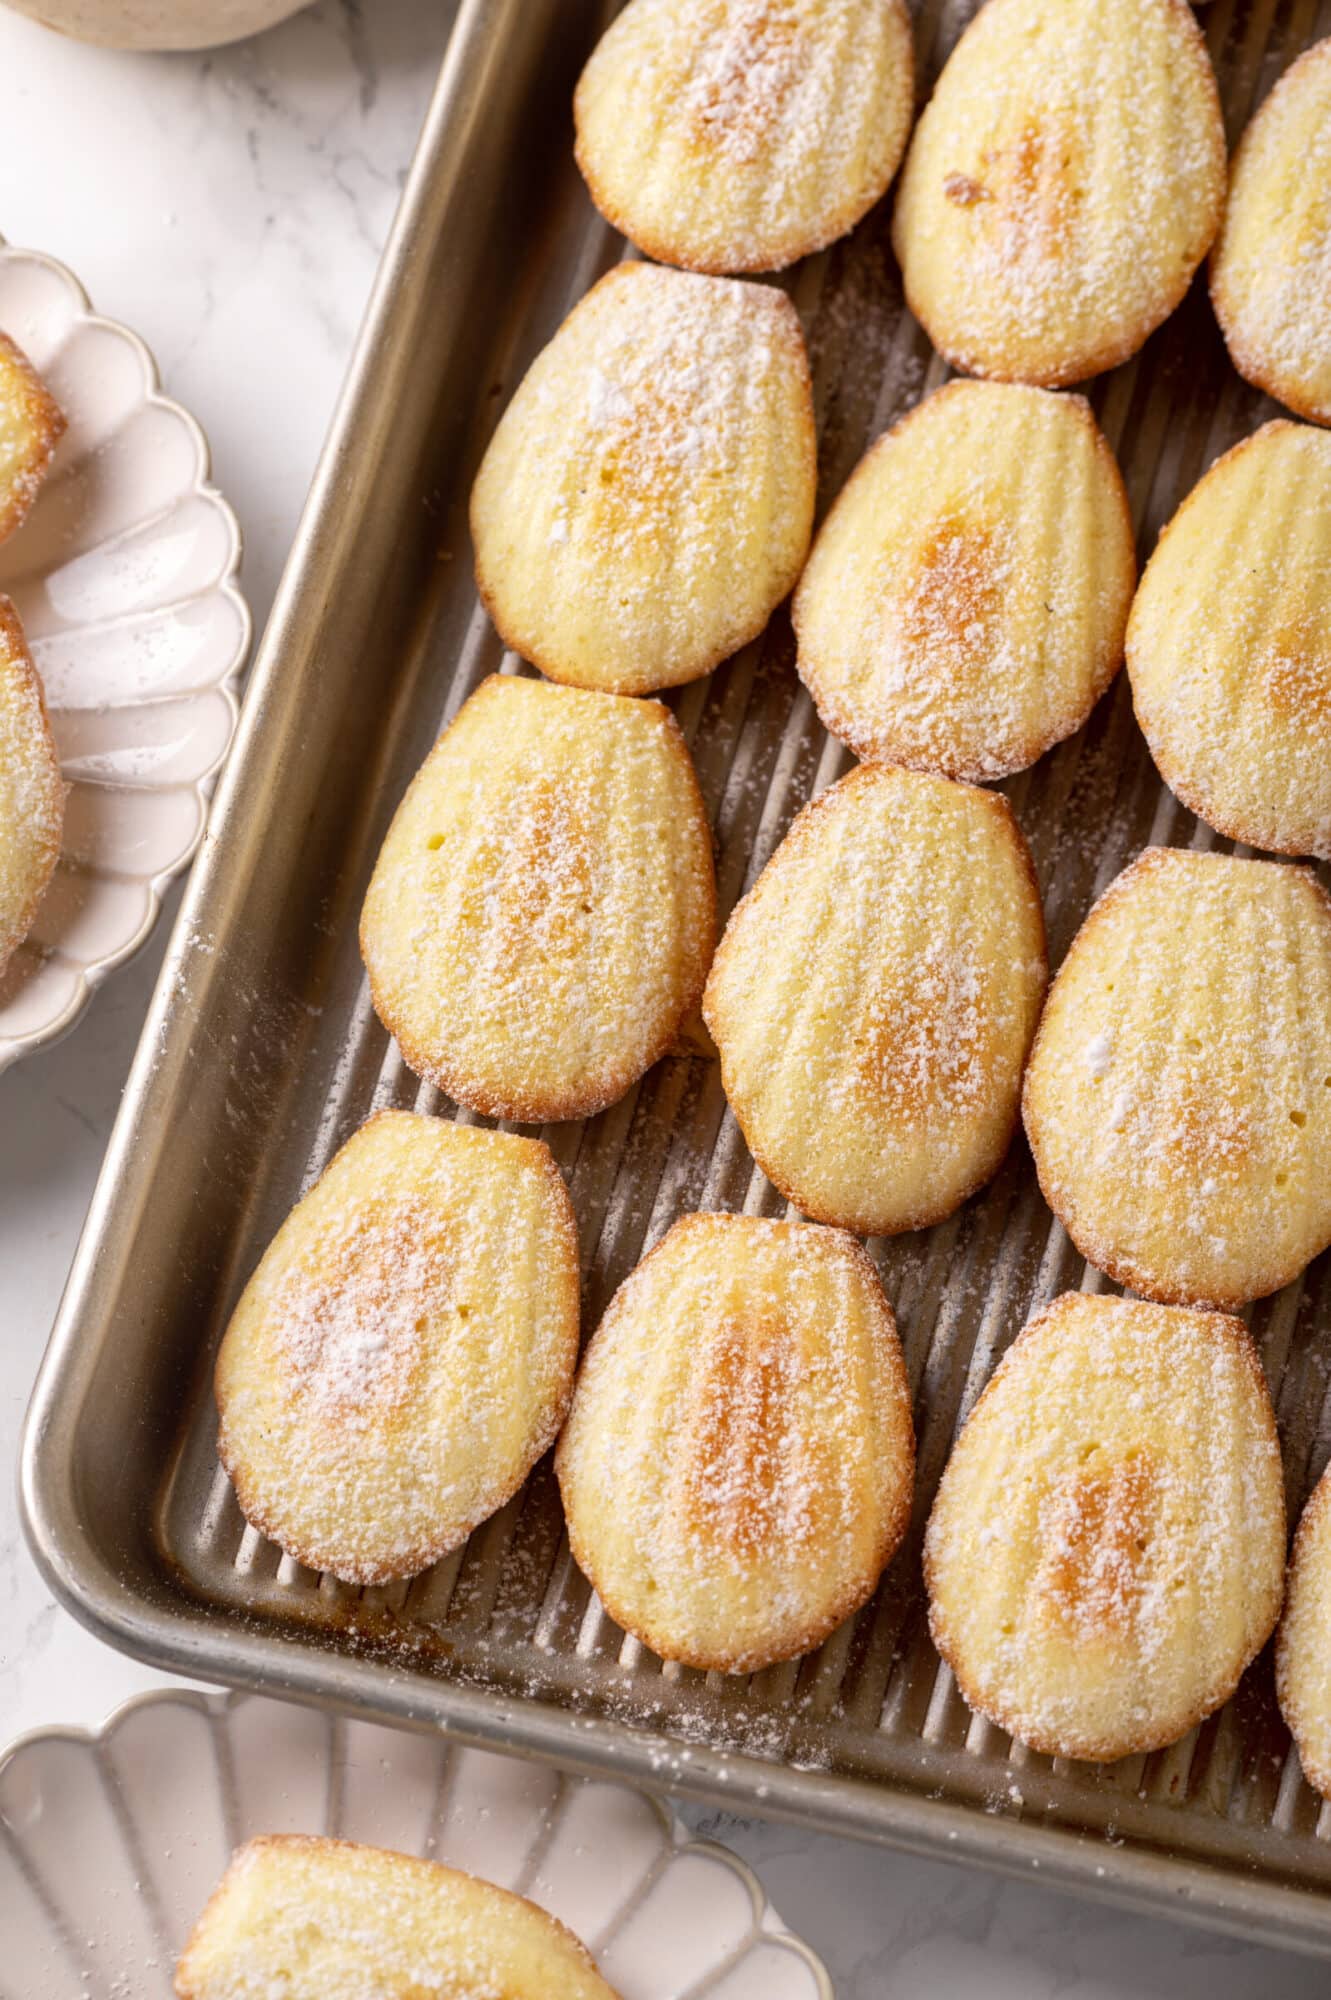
{"x":262,"y":1053}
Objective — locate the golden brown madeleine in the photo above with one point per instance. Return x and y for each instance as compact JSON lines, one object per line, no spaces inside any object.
{"x":32,"y":792}
{"x":304,"y":1916}
{"x":31,"y":426}
{"x":1303,"y":1650}
{"x":964,"y":605}
{"x":1178,"y":1099}
{"x":1106,"y":1548}
{"x":541,"y":918}
{"x":1062,"y":186}
{"x":738,"y":135}
{"x":1229,"y":644}
{"x":646,"y":501}
{"x":738,"y":1463}
{"x":404,"y":1352}
{"x":874,"y":997}
{"x":1271,"y":266}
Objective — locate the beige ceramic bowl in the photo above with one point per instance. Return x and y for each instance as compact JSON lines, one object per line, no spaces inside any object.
{"x":158,"y":24}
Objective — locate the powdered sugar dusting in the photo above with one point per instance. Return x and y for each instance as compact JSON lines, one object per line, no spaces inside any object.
{"x":1185,"y":1158}
{"x":302,"y":1916}
{"x":1229,"y":644}
{"x":736,"y":135}
{"x":736,"y":1467}
{"x":1062,"y":186}
{"x":647,"y":498}
{"x":405,"y":1350}
{"x":1105,"y":1553}
{"x":352,"y":1317}
{"x":874,"y":996}
{"x":964,"y":605}
{"x":1271,"y":280}
{"x":542,"y":915}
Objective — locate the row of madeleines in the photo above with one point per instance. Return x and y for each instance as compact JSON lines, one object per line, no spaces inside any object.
{"x":1105,"y":1553}
{"x":1106,"y":1550}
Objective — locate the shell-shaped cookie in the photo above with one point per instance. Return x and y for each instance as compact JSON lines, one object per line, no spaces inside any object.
{"x":405,"y":1350}
{"x":1303,"y":1650}
{"x":1106,"y":1549}
{"x":31,"y":425}
{"x":738,"y":1463}
{"x":964,"y":605}
{"x":1229,"y":643}
{"x":738,"y":135}
{"x":541,"y":918}
{"x":1271,"y":267}
{"x":647,"y":499}
{"x":1178,"y":1099}
{"x":32,"y":793}
{"x":1062,"y":186}
{"x":874,"y":997}
{"x":298,"y":1914}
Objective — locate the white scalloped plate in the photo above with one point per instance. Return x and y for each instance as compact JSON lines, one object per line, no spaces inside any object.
{"x":125,"y":577}
{"x":111,"y":1844}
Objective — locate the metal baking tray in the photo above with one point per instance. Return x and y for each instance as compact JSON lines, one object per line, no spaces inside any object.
{"x":261,"y":1053}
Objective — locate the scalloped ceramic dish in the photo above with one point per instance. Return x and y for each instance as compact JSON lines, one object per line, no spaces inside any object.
{"x":110,"y":1845}
{"x":125,"y":577}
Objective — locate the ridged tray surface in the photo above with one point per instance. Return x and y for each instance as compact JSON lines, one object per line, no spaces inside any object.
{"x":265,"y":1038}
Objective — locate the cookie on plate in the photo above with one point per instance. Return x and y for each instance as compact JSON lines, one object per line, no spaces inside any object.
{"x":964,"y":605}
{"x":300,"y":1915}
{"x":874,"y":997}
{"x":646,"y":501}
{"x":32,"y":793}
{"x":1271,"y":266}
{"x":1178,"y":1099}
{"x":738,"y":1463}
{"x":1106,"y":1550}
{"x":31,"y":426}
{"x":542,"y":915}
{"x":404,"y":1352}
{"x":1062,"y":186}
{"x":1229,"y":644}
{"x":738,"y":135}
{"x":1303,"y":1650}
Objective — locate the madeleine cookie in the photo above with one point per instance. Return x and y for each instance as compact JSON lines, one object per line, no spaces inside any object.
{"x":404,"y":1352}
{"x":32,"y":793}
{"x":299,"y":1916}
{"x":1178,"y":1099}
{"x":964,"y":605}
{"x":738,"y":1463}
{"x":1271,"y":267}
{"x":1062,"y":186}
{"x":1303,"y":1650}
{"x":1106,"y":1549}
{"x":541,"y":918}
{"x":646,"y":501}
{"x":874,"y":997}
{"x":31,"y":426}
{"x":738,"y":135}
{"x":1229,"y":644}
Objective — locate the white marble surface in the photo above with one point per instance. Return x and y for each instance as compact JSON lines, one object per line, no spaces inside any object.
{"x":230,"y":208}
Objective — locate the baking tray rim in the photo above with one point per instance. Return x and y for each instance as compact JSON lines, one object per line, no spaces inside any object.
{"x":1146,"y":1879}
{"x":1141,"y":1877}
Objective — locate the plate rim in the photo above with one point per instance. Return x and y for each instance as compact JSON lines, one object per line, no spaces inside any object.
{"x":93,"y":975}
{"x":218,"y":1705}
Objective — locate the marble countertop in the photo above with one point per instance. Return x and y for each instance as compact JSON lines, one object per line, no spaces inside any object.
{"x":230,"y":207}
